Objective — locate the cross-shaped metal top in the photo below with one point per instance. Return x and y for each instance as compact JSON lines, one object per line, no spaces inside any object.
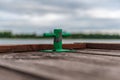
{"x":58,"y":34}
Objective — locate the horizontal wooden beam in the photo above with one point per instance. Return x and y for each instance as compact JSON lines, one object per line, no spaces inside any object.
{"x":108,"y":46}
{"x":37,"y":47}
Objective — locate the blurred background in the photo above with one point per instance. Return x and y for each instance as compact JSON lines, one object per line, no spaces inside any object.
{"x":85,"y":19}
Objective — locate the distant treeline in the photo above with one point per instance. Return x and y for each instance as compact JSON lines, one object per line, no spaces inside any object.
{"x":9,"y":34}
{"x":95,"y":36}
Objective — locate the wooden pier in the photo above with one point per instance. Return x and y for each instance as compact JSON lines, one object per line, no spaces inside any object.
{"x":91,"y":61}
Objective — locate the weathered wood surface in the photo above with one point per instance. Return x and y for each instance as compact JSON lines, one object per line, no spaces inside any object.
{"x":87,"y":64}
{"x":7,"y":74}
{"x":37,"y":47}
{"x":108,"y":46}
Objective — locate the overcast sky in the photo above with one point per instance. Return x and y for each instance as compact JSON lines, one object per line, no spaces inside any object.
{"x":38,"y":16}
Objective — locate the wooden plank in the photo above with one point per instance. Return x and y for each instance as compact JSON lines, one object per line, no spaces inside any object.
{"x":66,"y":66}
{"x":38,"y":47}
{"x":107,"y":46}
{"x":8,"y":74}
{"x":35,"y":47}
{"x":101,"y":52}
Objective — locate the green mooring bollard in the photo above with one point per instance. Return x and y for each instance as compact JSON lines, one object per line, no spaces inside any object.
{"x":58,"y":34}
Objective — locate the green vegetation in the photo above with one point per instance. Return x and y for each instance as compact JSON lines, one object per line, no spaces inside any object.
{"x":95,"y":36}
{"x":9,"y":34}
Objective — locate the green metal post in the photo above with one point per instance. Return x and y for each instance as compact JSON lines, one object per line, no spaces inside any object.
{"x":57,"y":40}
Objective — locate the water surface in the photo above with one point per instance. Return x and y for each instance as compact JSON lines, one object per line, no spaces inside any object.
{"x":50,"y":41}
